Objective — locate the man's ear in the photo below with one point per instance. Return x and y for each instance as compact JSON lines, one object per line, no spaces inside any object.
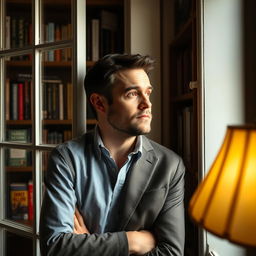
{"x":99,"y":102}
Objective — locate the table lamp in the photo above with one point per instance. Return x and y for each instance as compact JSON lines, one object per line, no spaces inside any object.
{"x":225,"y":202}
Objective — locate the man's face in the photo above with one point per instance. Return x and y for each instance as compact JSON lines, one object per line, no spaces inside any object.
{"x":130,"y":111}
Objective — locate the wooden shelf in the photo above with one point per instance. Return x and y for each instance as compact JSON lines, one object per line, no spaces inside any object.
{"x":49,"y":2}
{"x":182,"y":98}
{"x":45,"y":122}
{"x":184,"y":34}
{"x":90,"y":63}
{"x":67,"y":2}
{"x":104,"y":3}
{"x":18,"y":122}
{"x":27,"y":63}
{"x":48,"y":122}
{"x":23,"y":222}
{"x":57,"y":122}
{"x":91,"y":122}
{"x":18,"y":168}
{"x":57,"y":64}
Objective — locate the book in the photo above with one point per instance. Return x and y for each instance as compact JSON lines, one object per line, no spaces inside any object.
{"x":14,"y":101}
{"x":49,"y":101}
{"x":7,"y":99}
{"x":55,"y":97}
{"x":30,"y":201}
{"x":57,"y":52}
{"x":27,"y":99}
{"x":18,"y":157}
{"x":14,"y":33}
{"x":7,"y":32}
{"x":20,"y":101}
{"x":109,"y":25}
{"x":19,"y":201}
{"x":88,"y":38}
{"x":51,"y":38}
{"x":25,"y":94}
{"x":69,"y":101}
{"x":61,"y":102}
{"x":95,"y":23}
{"x":20,"y":32}
{"x":50,"y":98}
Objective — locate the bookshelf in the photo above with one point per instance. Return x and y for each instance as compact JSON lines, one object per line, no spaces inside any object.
{"x":43,"y":60}
{"x":184,"y":102}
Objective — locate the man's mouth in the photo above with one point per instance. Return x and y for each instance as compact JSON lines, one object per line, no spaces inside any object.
{"x":144,"y":115}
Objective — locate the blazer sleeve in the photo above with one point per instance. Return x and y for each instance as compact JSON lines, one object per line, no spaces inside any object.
{"x":57,"y":218}
{"x":169,"y":227}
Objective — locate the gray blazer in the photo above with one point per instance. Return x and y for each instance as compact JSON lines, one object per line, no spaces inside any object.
{"x":152,"y":199}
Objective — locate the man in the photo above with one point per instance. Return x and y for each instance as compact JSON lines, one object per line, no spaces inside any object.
{"x":113,"y":191}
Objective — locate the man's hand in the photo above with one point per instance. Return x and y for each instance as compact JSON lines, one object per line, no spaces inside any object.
{"x":79,"y":226}
{"x":140,"y":242}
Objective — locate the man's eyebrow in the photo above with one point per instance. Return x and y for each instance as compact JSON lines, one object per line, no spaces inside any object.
{"x":136,"y":88}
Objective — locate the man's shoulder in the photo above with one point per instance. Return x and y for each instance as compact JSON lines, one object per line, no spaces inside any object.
{"x":159,"y":149}
{"x":76,"y":144}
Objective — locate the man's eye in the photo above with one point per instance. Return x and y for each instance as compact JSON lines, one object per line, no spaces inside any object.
{"x":132,"y":94}
{"x":149,"y":93}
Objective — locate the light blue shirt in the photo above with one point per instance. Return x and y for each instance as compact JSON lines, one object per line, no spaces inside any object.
{"x":107,"y":182}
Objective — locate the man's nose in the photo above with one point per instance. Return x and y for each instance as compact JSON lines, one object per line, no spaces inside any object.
{"x":145,"y":102}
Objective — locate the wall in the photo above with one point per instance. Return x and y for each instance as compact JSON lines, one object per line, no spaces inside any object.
{"x":250,"y":63}
{"x":223,"y":85}
{"x":143,"y":36}
{"x":250,"y":59}
{"x":167,"y":28}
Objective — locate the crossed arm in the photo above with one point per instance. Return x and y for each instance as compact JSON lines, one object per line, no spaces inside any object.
{"x":139,"y":242}
{"x":58,"y":236}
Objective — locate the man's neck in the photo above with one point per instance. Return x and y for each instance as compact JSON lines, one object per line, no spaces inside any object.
{"x":119,"y":144}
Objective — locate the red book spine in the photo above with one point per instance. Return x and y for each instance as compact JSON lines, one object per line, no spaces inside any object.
{"x":30,"y":201}
{"x":20,"y":101}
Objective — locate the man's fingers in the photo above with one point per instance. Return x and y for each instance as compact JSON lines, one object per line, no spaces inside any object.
{"x":79,"y":225}
{"x":79,"y":217}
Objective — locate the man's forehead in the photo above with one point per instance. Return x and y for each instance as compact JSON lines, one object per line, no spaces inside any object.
{"x":130,"y":77}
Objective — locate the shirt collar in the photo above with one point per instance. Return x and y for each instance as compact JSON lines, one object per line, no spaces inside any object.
{"x":100,"y":145}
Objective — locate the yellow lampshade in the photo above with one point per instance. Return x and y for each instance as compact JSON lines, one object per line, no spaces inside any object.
{"x":225,"y":202}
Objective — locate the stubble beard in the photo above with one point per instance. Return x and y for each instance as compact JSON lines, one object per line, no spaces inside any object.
{"x":131,"y":129}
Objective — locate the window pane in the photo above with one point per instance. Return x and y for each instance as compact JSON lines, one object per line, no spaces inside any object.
{"x":44,"y":167}
{"x":56,"y":98}
{"x":18,"y":24}
{"x":18,"y":98}
{"x":18,"y":245}
{"x":19,"y":186}
{"x":56,"y":20}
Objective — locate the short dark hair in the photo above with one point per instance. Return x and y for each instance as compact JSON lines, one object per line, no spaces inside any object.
{"x":101,"y":77}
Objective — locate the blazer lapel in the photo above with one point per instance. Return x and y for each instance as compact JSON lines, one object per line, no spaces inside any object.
{"x":137,"y":181}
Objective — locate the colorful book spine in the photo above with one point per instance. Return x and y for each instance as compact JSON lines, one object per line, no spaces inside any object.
{"x":95,"y":38}
{"x":30,"y":201}
{"x":61,"y":103}
{"x":18,"y":157}
{"x":69,"y":101}
{"x":27,"y":100}
{"x":14,"y":101}
{"x":7,"y":99}
{"x":19,"y":201}
{"x":51,"y":34}
{"x":20,"y":101}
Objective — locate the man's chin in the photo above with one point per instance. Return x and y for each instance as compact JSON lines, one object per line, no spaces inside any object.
{"x":140,"y":130}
